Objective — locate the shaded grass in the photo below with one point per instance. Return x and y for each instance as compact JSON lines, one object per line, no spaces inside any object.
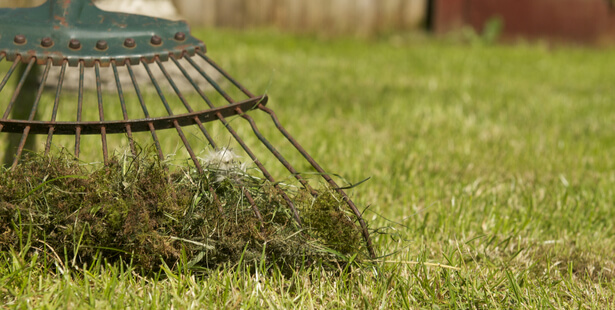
{"x":494,"y":159}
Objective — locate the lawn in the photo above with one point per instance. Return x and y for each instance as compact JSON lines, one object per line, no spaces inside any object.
{"x":491,"y":176}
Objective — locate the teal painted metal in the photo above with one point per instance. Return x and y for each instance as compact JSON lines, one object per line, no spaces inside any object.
{"x":77,"y":30}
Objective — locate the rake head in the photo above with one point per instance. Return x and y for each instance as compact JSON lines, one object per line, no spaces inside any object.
{"x":60,"y":37}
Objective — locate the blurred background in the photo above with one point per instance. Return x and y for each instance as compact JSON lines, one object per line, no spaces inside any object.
{"x":584,"y":21}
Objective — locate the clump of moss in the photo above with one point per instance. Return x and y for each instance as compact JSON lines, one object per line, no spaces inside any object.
{"x":334,"y":227}
{"x":135,"y":209}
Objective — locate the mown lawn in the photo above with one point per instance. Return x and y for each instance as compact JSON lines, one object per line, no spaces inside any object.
{"x":491,"y":178}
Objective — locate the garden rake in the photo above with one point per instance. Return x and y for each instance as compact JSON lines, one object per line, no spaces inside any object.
{"x":66,"y":35}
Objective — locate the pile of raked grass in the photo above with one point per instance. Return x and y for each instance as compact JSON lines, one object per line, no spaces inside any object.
{"x":139,"y":211}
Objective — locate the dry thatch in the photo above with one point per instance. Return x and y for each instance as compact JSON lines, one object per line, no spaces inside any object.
{"x":135,"y":210}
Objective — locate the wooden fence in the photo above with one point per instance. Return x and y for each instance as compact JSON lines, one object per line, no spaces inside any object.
{"x":328,"y":16}
{"x":322,"y":16}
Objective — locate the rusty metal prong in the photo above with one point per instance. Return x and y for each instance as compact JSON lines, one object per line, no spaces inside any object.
{"x":245,"y":147}
{"x":253,"y":204}
{"x":225,"y":74}
{"x":79,"y":108}
{"x":181,"y":135}
{"x":18,"y":88}
{"x":195,"y":160}
{"x":194,"y":84}
{"x":325,"y":176}
{"x":258,"y":163}
{"x":267,"y":144}
{"x":40,"y":89}
{"x":260,"y":166}
{"x":26,"y":131}
{"x":210,"y":80}
{"x":56,"y":104}
{"x":189,"y":148}
{"x":101,"y":114}
{"x":123,"y":106}
{"x":10,"y":72}
{"x":157,"y":87}
{"x":183,"y":100}
{"x":277,"y":154}
{"x":144,"y":108}
{"x":212,"y":143}
{"x":301,"y":150}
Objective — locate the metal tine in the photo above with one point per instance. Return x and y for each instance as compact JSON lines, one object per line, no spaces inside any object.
{"x":170,"y":112}
{"x":183,"y":138}
{"x":26,"y":130}
{"x":240,"y":141}
{"x":186,"y":104}
{"x":123,"y":105}
{"x":255,"y":129}
{"x":276,"y":121}
{"x":56,"y":104}
{"x":101,"y":114}
{"x":301,"y":150}
{"x":6,"y":78}
{"x":79,"y":108}
{"x":225,"y":74}
{"x":144,"y":108}
{"x":18,"y":88}
{"x":211,"y":141}
{"x":9,"y":74}
{"x":257,"y":132}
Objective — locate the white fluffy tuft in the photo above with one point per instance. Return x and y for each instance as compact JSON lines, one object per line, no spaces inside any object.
{"x":224,"y":163}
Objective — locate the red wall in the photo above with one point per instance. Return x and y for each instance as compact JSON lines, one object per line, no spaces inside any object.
{"x":577,"y":20}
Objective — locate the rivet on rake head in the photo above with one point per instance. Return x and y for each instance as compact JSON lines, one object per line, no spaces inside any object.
{"x":156,"y":40}
{"x":130,"y":43}
{"x":101,"y":45}
{"x":74,"y":44}
{"x":46,"y":42}
{"x":20,"y":39}
{"x":180,"y":36}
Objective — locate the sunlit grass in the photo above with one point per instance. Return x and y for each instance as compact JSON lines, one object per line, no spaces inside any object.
{"x":497,"y":160}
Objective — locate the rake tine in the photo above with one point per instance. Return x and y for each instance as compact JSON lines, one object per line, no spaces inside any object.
{"x":267,"y":144}
{"x":183,"y":138}
{"x":9,"y":108}
{"x":211,"y":141}
{"x":175,"y":123}
{"x":144,"y":108}
{"x":326,"y":176}
{"x":101,"y":114}
{"x":242,"y":143}
{"x":8,"y":75}
{"x":302,"y":151}
{"x":55,"y":106}
{"x":225,"y":74}
{"x":123,"y":105}
{"x":21,"y":109}
{"x":276,"y":153}
{"x":79,"y":108}
{"x":26,"y":131}
{"x":183,"y":100}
